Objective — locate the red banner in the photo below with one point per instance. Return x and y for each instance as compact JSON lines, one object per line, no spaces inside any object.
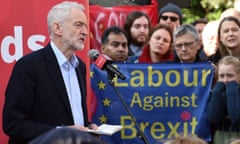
{"x":23,"y":29}
{"x":104,"y":17}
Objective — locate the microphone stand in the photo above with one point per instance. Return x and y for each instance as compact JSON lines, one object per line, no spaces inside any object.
{"x":140,"y":134}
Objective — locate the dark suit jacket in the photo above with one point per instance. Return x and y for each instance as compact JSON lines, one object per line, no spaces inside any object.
{"x":36,"y":98}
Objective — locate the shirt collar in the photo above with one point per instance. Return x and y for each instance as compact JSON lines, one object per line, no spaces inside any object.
{"x":62,"y":59}
{"x":136,"y":50}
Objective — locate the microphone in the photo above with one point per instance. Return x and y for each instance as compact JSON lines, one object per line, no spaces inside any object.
{"x":102,"y":63}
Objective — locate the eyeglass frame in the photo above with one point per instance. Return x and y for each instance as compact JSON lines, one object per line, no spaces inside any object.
{"x":186,"y":45}
{"x":172,"y":18}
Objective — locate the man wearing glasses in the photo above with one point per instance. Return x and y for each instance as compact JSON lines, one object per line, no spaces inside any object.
{"x":170,"y":15}
{"x":186,"y":44}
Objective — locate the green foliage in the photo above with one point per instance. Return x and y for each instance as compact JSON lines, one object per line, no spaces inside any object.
{"x":210,"y":9}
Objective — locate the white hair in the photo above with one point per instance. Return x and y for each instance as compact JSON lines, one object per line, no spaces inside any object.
{"x":59,"y":13}
{"x":210,"y":38}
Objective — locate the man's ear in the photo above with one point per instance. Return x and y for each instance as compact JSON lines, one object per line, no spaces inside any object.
{"x":102,"y":48}
{"x":57,"y":28}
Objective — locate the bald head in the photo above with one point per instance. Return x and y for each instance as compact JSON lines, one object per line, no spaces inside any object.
{"x":230,"y":12}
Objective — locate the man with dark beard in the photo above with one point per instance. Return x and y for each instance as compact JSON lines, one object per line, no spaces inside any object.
{"x":137,"y":26}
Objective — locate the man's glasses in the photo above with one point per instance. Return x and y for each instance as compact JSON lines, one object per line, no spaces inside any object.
{"x":185,"y":45}
{"x":172,"y":18}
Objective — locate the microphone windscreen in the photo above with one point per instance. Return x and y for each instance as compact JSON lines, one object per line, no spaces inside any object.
{"x":93,"y":54}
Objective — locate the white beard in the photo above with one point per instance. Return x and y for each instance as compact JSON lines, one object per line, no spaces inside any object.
{"x":80,"y":47}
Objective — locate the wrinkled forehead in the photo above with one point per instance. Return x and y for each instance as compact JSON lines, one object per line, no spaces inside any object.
{"x":78,"y":15}
{"x":185,"y":37}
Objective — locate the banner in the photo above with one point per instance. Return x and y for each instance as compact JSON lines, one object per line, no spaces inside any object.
{"x":103,"y":17}
{"x":166,"y":99}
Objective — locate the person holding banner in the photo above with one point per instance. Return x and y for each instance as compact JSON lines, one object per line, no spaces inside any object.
{"x":159,"y":48}
{"x":224,"y":105}
{"x":47,"y":88}
{"x":186,"y":44}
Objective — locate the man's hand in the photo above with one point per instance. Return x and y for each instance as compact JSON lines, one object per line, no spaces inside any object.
{"x":78,"y":127}
{"x":93,"y":126}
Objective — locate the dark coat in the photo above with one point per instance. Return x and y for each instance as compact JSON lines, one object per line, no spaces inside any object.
{"x":36,"y":99}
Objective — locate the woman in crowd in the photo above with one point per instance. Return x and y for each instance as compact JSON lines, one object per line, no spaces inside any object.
{"x":159,"y":47}
{"x":224,"y":106}
{"x":229,"y":37}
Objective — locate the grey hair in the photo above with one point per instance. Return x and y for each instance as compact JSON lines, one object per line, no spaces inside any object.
{"x":59,"y":13}
{"x":186,"y":28}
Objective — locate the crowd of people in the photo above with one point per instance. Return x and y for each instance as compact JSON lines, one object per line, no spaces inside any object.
{"x":47,"y":88}
{"x":216,"y":41}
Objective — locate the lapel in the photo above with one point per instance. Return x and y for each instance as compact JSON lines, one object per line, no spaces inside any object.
{"x":81,"y":79}
{"x":81,"y":73}
{"x":56,"y":76}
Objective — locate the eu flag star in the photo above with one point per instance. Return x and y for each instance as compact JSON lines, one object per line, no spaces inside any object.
{"x":106,"y":102}
{"x":103,"y":119}
{"x":101,"y":85}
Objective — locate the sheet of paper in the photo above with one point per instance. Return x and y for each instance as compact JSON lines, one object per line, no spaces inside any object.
{"x":106,"y":129}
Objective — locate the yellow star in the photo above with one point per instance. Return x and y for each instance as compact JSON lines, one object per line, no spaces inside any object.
{"x":103,"y":119}
{"x":91,"y":74}
{"x":106,"y":102}
{"x":101,"y":85}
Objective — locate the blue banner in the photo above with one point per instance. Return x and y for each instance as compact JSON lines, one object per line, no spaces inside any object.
{"x":166,"y":99}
